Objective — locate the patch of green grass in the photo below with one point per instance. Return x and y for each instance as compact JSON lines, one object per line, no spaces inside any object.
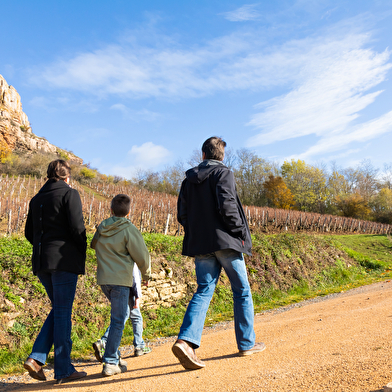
{"x":374,"y":247}
{"x":167,"y":246}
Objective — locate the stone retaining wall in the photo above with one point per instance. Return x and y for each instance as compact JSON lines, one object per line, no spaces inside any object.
{"x":163,"y":290}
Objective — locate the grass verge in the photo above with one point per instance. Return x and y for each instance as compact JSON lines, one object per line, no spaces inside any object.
{"x":358,"y":260}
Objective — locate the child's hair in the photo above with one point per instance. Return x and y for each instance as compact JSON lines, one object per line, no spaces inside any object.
{"x":58,"y":170}
{"x":121,"y":205}
{"x":214,"y":148}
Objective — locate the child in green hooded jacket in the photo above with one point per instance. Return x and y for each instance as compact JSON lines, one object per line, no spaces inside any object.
{"x":118,"y":245}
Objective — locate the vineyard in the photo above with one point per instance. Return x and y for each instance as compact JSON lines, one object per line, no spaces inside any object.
{"x":156,"y":212}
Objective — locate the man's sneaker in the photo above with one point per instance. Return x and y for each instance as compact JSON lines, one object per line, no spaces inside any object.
{"x":186,"y":355}
{"x":99,"y":348}
{"x":111,"y":369}
{"x":139,"y":351}
{"x":257,"y":348}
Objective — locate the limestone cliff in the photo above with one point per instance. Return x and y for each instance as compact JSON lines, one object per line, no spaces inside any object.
{"x":15,"y":130}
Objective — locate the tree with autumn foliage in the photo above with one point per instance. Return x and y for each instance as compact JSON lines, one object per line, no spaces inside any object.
{"x":278,"y":194}
{"x":5,"y":150}
{"x":353,"y":205}
{"x":382,"y":206}
{"x":307,"y":183}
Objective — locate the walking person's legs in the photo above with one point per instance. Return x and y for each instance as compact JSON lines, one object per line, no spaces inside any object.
{"x":207,"y":273}
{"x":100,"y":345}
{"x":64,"y":287}
{"x":118,"y":297}
{"x":235,"y":268}
{"x":60,"y":287}
{"x":136,"y":317}
{"x":44,"y":341}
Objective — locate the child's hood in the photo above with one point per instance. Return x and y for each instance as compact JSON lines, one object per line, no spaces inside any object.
{"x":113,"y":225}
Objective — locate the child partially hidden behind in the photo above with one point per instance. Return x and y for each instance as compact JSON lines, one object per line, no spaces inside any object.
{"x":118,"y":245}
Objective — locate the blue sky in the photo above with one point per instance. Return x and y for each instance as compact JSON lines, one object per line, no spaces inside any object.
{"x":127,"y":84}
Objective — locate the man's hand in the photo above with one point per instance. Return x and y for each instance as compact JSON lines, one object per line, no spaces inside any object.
{"x":137,"y":303}
{"x":145,"y":283}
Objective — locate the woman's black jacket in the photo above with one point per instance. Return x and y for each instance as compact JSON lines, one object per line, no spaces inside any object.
{"x":56,"y":229}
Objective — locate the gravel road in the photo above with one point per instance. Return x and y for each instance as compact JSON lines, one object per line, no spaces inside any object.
{"x":342,"y":342}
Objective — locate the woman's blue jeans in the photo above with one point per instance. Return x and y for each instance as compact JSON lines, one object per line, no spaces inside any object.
{"x":60,"y":287}
{"x":118,"y":297}
{"x":208,"y":268}
{"x":137,"y":325}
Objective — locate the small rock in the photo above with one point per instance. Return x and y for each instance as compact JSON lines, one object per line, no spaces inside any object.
{"x":388,"y":387}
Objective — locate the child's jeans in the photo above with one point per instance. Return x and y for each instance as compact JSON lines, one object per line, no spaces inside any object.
{"x":118,"y":297}
{"x":137,"y":325}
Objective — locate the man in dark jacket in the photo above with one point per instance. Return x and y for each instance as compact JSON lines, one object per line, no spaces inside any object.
{"x":216,"y":234}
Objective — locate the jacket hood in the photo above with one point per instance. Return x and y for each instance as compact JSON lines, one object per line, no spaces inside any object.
{"x":52,"y":184}
{"x":112,"y":226}
{"x":199,"y":173}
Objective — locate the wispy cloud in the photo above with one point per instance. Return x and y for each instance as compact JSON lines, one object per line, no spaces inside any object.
{"x":333,"y":88}
{"x":136,"y":115}
{"x":233,"y":62}
{"x":244,"y":13}
{"x":359,"y":133}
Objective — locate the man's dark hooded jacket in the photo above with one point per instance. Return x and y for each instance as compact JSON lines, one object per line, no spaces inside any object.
{"x":56,"y":229}
{"x":210,"y":211}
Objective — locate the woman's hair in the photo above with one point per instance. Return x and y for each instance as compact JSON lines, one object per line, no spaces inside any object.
{"x":58,"y":170}
{"x":214,"y":148}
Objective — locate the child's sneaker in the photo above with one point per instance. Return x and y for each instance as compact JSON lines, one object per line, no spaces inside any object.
{"x":98,"y":347}
{"x":142,"y":351}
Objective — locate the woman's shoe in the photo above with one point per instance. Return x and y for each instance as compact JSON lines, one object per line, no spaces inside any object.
{"x":35,"y":370}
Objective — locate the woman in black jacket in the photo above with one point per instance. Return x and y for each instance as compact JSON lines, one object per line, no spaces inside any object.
{"x":56,"y":230}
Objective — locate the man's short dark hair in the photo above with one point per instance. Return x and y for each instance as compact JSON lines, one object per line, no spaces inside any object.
{"x":121,"y":205}
{"x":58,"y":170}
{"x":214,"y":148}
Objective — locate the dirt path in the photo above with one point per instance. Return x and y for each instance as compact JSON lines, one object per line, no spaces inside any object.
{"x":341,"y":344}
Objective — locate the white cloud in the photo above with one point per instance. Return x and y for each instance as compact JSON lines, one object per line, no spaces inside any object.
{"x":360,"y":133}
{"x":234,"y":62}
{"x":148,"y":156}
{"x":244,"y":13}
{"x":333,"y":88}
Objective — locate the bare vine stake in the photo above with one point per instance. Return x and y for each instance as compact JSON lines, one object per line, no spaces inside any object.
{"x":153,"y":221}
{"x":141,"y":221}
{"x":17,"y":220}
{"x":9,"y":222}
{"x":89,"y":213}
{"x":167,"y":223}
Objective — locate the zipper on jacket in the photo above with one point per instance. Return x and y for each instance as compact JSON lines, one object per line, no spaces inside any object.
{"x":41,"y":228}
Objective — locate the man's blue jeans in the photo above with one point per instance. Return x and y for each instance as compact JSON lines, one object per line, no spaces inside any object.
{"x":208,"y":268}
{"x":118,"y":297}
{"x":60,"y":287}
{"x":137,"y":325}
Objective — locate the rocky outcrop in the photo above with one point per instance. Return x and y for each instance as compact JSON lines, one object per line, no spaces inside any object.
{"x":15,"y":129}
